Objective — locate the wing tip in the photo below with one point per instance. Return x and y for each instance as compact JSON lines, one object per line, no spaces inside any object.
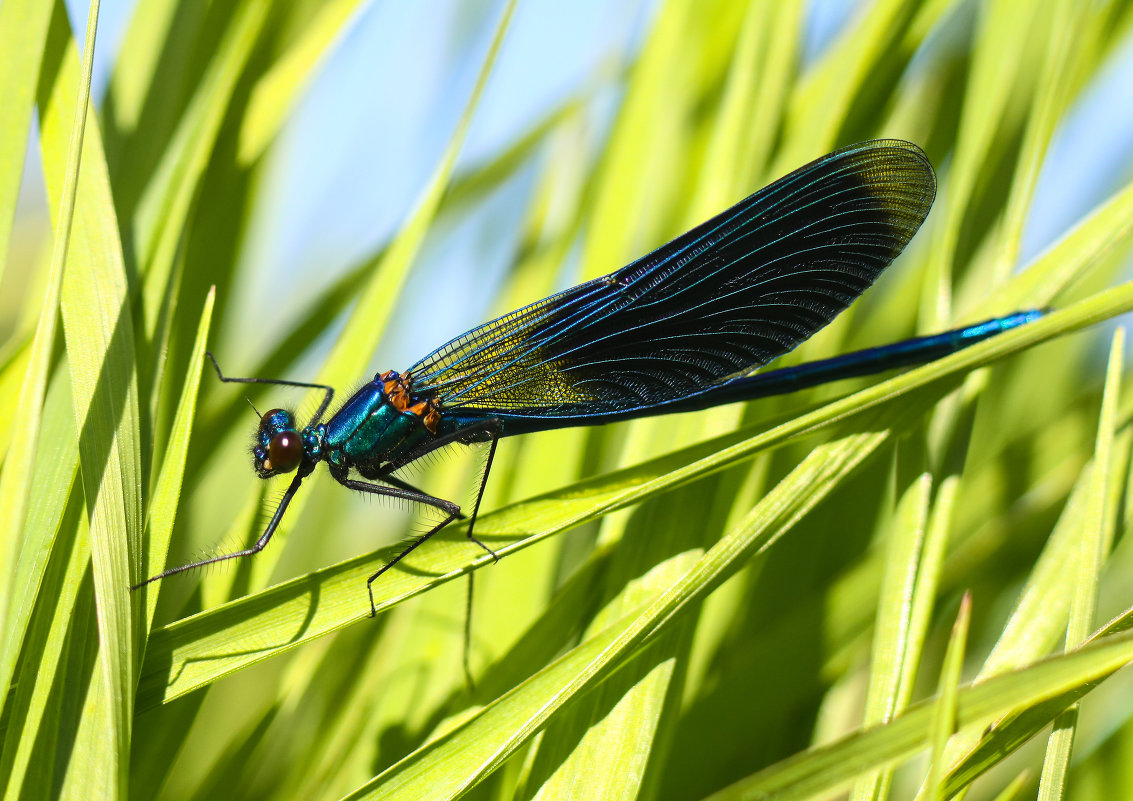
{"x":899,"y":175}
{"x":900,"y":169}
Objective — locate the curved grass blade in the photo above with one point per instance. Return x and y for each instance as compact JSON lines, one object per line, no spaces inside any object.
{"x":166,"y":205}
{"x":15,"y":481}
{"x":1051,"y":97}
{"x":13,"y":368}
{"x":163,"y":507}
{"x":23,"y":31}
{"x":43,"y":544}
{"x":600,"y":747}
{"x":828,"y":768}
{"x":1094,"y":547}
{"x":99,"y":335}
{"x":820,"y":105}
{"x":281,"y":87}
{"x":1067,"y":260}
{"x":947,"y":689}
{"x":1019,"y":726}
{"x":896,"y":646}
{"x":995,"y":66}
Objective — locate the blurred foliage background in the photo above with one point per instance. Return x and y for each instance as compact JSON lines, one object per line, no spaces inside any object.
{"x":873,"y":595}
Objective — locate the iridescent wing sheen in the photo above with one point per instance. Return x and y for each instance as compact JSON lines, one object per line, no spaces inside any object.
{"x":718,"y":301}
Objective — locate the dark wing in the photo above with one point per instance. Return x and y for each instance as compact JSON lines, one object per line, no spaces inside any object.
{"x":723,"y":299}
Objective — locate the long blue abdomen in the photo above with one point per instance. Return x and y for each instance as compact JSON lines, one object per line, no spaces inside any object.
{"x":907,"y":353}
{"x":870,"y":361}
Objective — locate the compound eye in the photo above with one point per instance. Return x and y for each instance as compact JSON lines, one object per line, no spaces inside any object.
{"x":285,"y":451}
{"x":275,"y":418}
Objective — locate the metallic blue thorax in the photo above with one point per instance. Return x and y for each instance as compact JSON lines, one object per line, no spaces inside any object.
{"x":370,"y":429}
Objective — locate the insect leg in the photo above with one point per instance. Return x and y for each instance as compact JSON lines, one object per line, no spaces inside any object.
{"x":394,"y":481}
{"x":327,"y":390}
{"x":259,"y":546}
{"x":451,"y":510}
{"x":405,"y":493}
{"x":472,"y":576}
{"x":480,"y":497}
{"x":490,"y":429}
{"x":412,"y":547}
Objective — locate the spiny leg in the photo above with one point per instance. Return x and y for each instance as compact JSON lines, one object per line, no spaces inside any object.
{"x":451,"y":510}
{"x":394,"y":481}
{"x":261,"y":543}
{"x":472,"y":576}
{"x":492,"y":429}
{"x":408,"y":494}
{"x":480,"y":497}
{"x":412,"y":547}
{"x":327,"y":390}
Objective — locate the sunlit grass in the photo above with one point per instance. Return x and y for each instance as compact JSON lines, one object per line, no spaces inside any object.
{"x":739,"y":603}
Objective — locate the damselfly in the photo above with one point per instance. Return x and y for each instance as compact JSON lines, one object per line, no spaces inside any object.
{"x":685,"y":327}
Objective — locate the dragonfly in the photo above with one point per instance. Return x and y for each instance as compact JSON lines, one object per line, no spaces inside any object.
{"x":684,"y":328}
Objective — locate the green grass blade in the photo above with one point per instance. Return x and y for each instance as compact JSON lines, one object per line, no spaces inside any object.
{"x":1016,"y":788}
{"x":43,"y":596}
{"x":12,"y":372}
{"x":784,"y":34}
{"x":54,"y":474}
{"x":1038,"y":618}
{"x":1051,"y":95}
{"x":824,"y":99}
{"x":1064,"y":262}
{"x":947,"y":691}
{"x":278,"y":90}
{"x":15,"y":482}
{"x":824,"y":770}
{"x":99,"y":335}
{"x":1019,"y":727}
{"x":61,"y":671}
{"x":165,"y":207}
{"x":600,"y":746}
{"x":23,"y":31}
{"x":896,"y":643}
{"x":132,"y":81}
{"x":1034,"y":627}
{"x":632,"y":184}
{"x":1092,"y":538}
{"x":996,"y":66}
{"x":456,"y":761}
{"x":163,"y":508}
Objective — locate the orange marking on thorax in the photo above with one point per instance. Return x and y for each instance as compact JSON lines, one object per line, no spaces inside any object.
{"x":397,"y":390}
{"x":428,"y":414}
